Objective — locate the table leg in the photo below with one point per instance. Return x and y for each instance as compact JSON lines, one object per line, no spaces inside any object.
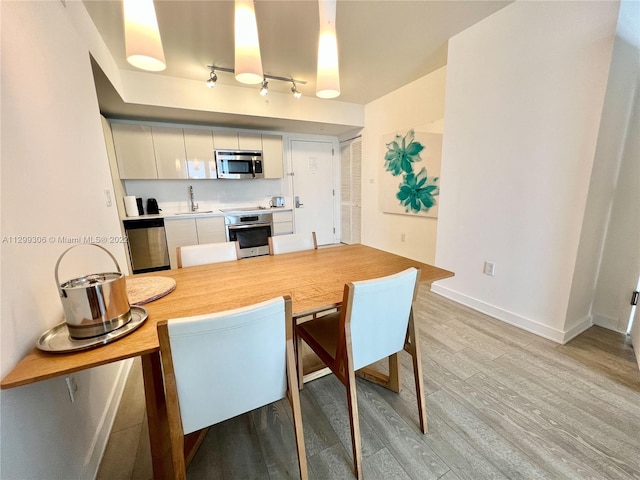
{"x":157,"y":417}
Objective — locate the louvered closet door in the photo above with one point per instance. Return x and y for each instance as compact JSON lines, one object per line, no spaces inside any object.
{"x":351,"y":173}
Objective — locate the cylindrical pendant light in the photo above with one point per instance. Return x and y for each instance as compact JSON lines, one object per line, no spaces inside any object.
{"x":248,"y":64}
{"x":328,"y":79}
{"x":142,"y":36}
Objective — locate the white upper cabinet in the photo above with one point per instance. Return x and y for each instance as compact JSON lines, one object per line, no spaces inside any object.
{"x":171,"y":159}
{"x":225,"y":140}
{"x":272,"y":157}
{"x":249,"y":141}
{"x":146,"y":152}
{"x":134,"y":151}
{"x":200,"y":158}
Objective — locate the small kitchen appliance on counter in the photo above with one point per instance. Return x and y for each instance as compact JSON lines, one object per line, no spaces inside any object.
{"x":152,"y":206}
{"x":277,"y":202}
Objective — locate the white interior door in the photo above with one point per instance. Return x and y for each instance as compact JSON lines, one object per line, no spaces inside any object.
{"x":313,"y":189}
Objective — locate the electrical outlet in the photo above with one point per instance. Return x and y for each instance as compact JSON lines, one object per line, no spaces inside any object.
{"x":72,"y":387}
{"x":489,"y":268}
{"x":402,"y":237}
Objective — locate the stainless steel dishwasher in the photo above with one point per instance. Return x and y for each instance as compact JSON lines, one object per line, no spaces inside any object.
{"x":147,"y":244}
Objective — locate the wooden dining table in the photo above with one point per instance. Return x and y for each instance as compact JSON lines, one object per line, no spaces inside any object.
{"x":313,"y":279}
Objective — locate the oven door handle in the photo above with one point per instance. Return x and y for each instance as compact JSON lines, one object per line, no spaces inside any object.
{"x":253,"y":225}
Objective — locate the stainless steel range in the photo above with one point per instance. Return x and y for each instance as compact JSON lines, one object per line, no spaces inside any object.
{"x":251,"y":231}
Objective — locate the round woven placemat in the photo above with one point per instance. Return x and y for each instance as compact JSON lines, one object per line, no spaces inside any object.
{"x":141,"y":290}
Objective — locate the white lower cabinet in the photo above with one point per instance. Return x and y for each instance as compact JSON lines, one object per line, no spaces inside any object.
{"x":181,"y":232}
{"x":211,"y":230}
{"x":282,"y":223}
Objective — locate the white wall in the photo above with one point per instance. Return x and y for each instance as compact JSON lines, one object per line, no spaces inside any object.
{"x":619,"y":143}
{"x":54,"y":173}
{"x":173,"y":195}
{"x":420,"y":105}
{"x":158,"y":90}
{"x":619,"y":99}
{"x":524,"y":95}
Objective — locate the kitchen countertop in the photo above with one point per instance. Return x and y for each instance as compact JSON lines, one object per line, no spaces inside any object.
{"x":208,"y":213}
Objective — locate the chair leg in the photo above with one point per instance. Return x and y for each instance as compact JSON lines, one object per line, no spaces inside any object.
{"x":299,"y":362}
{"x":395,"y":383}
{"x":294,"y":400}
{"x":414,"y":350}
{"x":354,"y":421}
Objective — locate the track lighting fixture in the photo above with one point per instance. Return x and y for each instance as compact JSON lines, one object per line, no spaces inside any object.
{"x":294,"y":90}
{"x":264,"y":89}
{"x":264,"y":84}
{"x":213,"y":78}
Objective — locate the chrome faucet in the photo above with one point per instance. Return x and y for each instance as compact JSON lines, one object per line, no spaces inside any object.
{"x":194,"y":205}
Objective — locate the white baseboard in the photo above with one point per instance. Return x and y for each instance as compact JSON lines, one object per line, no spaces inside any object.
{"x":511,"y":318}
{"x":101,"y":437}
{"x":576,"y":330}
{"x":607,"y":322}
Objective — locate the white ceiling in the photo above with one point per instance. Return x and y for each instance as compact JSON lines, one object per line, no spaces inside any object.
{"x":382,"y":44}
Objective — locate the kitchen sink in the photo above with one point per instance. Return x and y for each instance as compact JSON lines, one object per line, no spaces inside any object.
{"x":194,"y":213}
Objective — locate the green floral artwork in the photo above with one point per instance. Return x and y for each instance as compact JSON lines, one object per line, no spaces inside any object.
{"x":417,"y":192}
{"x":401,"y":153}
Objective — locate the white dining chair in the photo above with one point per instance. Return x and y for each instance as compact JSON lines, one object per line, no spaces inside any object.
{"x":192,"y":255}
{"x":220,"y":365}
{"x":295,"y":242}
{"x":375,"y":321}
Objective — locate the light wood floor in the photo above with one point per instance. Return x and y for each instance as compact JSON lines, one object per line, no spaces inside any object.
{"x":502,"y":403}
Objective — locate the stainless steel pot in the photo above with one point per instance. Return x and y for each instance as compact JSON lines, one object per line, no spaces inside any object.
{"x":94,"y":304}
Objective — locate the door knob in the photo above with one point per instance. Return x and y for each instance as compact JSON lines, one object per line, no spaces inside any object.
{"x":297,"y":202}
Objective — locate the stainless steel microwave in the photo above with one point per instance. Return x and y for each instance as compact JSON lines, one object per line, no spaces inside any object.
{"x":239,"y":164}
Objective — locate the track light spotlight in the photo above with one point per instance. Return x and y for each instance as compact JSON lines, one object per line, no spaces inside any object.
{"x":213,"y":78}
{"x":294,"y":90}
{"x":264,"y":83}
{"x":264,"y":89}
